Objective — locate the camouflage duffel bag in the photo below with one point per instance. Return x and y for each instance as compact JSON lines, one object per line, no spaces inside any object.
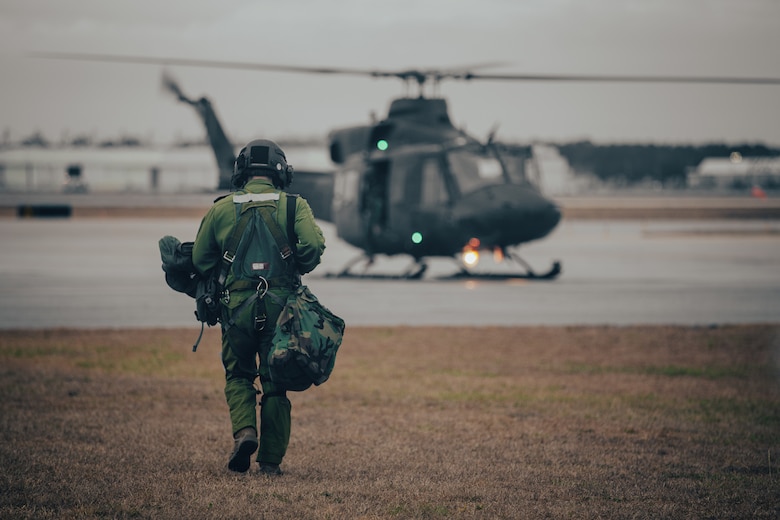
{"x":305,"y":342}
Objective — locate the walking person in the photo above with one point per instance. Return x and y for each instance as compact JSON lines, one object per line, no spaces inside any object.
{"x":238,"y":240}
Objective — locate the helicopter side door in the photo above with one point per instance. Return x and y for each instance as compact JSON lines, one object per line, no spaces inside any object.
{"x":373,"y":204}
{"x":420,"y":200}
{"x":398,"y":204}
{"x":361,"y":205}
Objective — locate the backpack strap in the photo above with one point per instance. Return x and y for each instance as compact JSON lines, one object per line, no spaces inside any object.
{"x":230,"y":247}
{"x":278,"y":234}
{"x":287,"y":244}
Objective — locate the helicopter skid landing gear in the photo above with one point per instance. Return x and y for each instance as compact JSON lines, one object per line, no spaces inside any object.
{"x":529,"y":273}
{"x":414,"y":272}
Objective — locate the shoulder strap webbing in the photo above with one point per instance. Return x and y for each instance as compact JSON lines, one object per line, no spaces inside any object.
{"x":276,"y":231}
{"x":230,"y":247}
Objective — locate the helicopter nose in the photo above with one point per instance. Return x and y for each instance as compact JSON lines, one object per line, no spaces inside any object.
{"x":507,"y":214}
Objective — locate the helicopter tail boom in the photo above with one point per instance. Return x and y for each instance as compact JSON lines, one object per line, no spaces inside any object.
{"x":223,"y":149}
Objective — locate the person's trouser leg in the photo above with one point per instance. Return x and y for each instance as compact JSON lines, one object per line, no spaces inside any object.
{"x":241,"y":399}
{"x":275,"y":408}
{"x":239,"y":357}
{"x":274,"y":426}
{"x":239,"y":360}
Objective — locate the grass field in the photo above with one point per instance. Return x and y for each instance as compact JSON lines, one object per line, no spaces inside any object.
{"x":492,"y":422}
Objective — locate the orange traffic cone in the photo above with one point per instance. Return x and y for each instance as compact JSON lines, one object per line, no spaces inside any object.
{"x":757,"y":192}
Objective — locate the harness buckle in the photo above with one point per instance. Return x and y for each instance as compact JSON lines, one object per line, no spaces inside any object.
{"x":260,"y":322}
{"x":285,"y":252}
{"x":228,"y":257}
{"x":262,"y":287}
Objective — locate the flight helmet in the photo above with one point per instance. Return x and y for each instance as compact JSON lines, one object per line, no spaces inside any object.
{"x":262,"y":157}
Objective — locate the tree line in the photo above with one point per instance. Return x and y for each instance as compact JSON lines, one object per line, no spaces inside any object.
{"x":630,"y":164}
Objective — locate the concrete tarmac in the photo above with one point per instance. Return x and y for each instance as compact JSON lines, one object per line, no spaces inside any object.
{"x":105,"y":273}
{"x":621,"y":206}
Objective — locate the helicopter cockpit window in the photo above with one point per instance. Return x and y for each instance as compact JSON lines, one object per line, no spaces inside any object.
{"x":515,"y":168}
{"x":433,"y":189}
{"x":473,"y":171}
{"x":345,"y":188}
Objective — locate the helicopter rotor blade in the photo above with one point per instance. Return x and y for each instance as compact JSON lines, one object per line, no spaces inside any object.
{"x":421,"y":76}
{"x":213,"y":64}
{"x":606,"y":78}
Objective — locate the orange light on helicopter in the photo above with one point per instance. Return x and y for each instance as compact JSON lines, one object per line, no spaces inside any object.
{"x":498,"y":255}
{"x":470,"y":257}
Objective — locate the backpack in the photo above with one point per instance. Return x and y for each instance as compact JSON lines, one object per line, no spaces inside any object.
{"x":256,"y":245}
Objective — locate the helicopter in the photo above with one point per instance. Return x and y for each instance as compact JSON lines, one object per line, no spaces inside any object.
{"x":412,"y":183}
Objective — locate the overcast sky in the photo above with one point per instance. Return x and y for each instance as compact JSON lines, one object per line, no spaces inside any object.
{"x":668,"y":37}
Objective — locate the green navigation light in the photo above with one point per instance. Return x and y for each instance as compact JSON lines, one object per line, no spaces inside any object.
{"x":417,"y":237}
{"x":382,"y":144}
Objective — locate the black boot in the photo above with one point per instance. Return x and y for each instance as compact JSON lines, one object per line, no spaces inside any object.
{"x":267,"y":468}
{"x":246,"y":445}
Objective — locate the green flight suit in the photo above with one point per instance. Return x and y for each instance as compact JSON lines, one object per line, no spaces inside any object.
{"x":241,"y":343}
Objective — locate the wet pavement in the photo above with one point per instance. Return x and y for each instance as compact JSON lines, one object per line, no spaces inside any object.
{"x":105,"y":272}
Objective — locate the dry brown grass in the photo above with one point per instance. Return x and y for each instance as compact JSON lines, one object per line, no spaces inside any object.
{"x":531,"y":422}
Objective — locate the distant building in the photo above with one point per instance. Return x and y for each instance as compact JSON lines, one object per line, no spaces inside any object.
{"x":551,"y":172}
{"x":736,"y":172}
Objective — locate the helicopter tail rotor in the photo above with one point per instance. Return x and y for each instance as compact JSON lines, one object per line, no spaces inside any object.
{"x":171,"y":86}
